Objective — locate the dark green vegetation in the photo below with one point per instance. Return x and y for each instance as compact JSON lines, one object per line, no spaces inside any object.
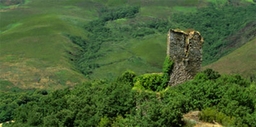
{"x":229,"y":100}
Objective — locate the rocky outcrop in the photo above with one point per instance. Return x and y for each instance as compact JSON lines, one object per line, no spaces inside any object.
{"x":185,"y":50}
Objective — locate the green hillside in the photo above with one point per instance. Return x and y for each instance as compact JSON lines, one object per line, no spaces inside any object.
{"x":57,"y":43}
{"x":242,"y":61}
{"x":33,"y":47}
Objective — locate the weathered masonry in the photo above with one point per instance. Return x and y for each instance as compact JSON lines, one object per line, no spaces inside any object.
{"x":185,"y":50}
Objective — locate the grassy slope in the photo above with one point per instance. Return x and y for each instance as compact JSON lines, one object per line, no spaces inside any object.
{"x":33,"y":47}
{"x":136,"y":55}
{"x":144,"y":55}
{"x":241,"y":61}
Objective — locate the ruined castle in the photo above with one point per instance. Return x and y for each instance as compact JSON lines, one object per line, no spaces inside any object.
{"x":185,"y":50}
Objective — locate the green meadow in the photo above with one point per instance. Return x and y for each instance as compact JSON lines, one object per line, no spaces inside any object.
{"x":36,"y":50}
{"x":33,"y":48}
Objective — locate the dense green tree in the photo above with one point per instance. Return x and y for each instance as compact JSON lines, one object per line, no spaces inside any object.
{"x":116,"y":103}
{"x":151,"y":82}
{"x":127,"y":77}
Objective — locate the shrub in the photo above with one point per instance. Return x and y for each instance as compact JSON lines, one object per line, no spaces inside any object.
{"x":211,"y":74}
{"x":167,"y":69}
{"x":150,"y":81}
{"x":127,"y":77}
{"x":153,"y":111}
{"x":212,"y":115}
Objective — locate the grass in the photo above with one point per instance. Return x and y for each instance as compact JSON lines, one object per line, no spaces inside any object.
{"x":222,"y":2}
{"x":33,"y":45}
{"x":151,"y":49}
{"x":185,"y":9}
{"x":150,"y":11}
{"x":5,"y":84}
{"x":33,"y":49}
{"x":218,"y":1}
{"x":142,"y":56}
{"x":241,"y":61}
{"x":11,"y":26}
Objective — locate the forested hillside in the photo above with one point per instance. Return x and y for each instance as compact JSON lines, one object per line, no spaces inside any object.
{"x":228,"y":100}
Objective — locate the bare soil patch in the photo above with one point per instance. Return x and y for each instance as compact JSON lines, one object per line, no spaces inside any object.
{"x":193,"y":117}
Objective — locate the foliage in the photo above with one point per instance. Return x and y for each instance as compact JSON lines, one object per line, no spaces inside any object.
{"x":216,"y":23}
{"x":211,"y":74}
{"x":151,"y":110}
{"x":85,"y":105}
{"x":118,"y":12}
{"x":212,"y":115}
{"x":115,"y":103}
{"x":127,"y":77}
{"x":167,"y":70}
{"x":222,"y":94}
{"x":84,"y":55}
{"x":150,"y":81}
{"x":10,"y":101}
{"x":155,"y":81}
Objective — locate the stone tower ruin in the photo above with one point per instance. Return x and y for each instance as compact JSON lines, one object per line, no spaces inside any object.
{"x":185,"y":50}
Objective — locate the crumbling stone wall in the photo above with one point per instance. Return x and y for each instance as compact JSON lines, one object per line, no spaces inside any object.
{"x":185,"y":50}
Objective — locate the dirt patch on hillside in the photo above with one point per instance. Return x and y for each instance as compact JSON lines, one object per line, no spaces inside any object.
{"x":193,"y":118}
{"x":204,"y":124}
{"x":31,"y":73}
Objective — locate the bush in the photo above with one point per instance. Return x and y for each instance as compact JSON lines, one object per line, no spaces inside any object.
{"x":167,"y":70}
{"x":153,"y":111}
{"x":118,"y":13}
{"x":127,"y":77}
{"x":212,"y":115}
{"x":211,"y":74}
{"x":150,"y":81}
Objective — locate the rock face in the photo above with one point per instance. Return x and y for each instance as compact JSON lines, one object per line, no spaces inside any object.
{"x":185,"y":50}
